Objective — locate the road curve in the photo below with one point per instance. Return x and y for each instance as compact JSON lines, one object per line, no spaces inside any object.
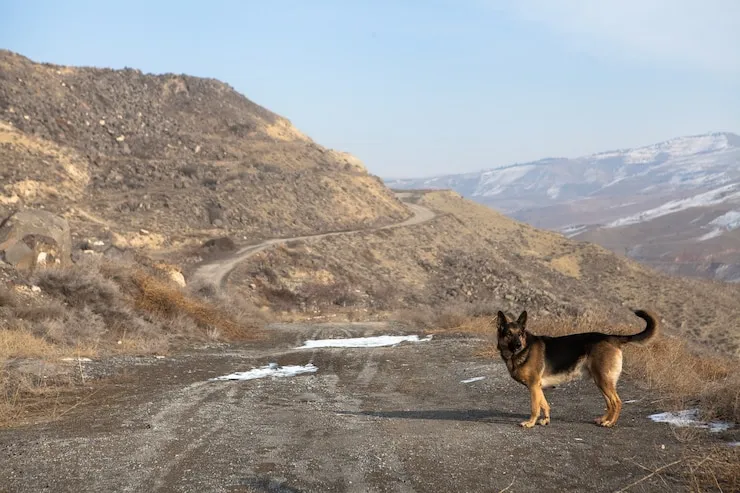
{"x":217,"y":271}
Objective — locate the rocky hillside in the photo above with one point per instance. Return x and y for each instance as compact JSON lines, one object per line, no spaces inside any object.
{"x":673,"y":205}
{"x":184,"y":158}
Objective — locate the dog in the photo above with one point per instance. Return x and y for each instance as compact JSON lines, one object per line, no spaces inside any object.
{"x":541,"y":361}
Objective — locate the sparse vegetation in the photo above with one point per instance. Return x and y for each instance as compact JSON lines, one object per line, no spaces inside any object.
{"x":98,"y":307}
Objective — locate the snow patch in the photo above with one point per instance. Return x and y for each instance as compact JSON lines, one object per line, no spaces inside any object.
{"x":362,"y":342}
{"x":690,"y":418}
{"x":271,"y":370}
{"x":553,"y":192}
{"x":712,"y":234}
{"x":726,"y":222}
{"x":499,"y":179}
{"x":573,"y":230}
{"x":729,"y":220}
{"x":471,"y":380}
{"x":77,"y":360}
{"x":681,"y":146}
{"x":711,"y":197}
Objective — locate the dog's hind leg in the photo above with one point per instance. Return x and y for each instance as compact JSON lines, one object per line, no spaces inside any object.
{"x":606,"y":371}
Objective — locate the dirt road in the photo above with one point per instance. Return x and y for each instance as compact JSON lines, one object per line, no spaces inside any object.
{"x":391,"y":419}
{"x":216,"y":272}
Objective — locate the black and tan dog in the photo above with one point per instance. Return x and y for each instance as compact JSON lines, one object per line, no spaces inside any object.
{"x":543,"y":361}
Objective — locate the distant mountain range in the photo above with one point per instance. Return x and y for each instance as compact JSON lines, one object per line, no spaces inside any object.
{"x":675,"y":204}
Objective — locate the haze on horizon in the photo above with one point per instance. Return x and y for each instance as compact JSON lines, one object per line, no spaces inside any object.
{"x":421,"y":88}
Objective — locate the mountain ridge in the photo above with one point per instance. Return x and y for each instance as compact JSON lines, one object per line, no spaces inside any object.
{"x":585,"y":197}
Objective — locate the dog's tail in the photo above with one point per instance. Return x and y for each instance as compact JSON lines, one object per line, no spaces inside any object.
{"x":651,"y":330}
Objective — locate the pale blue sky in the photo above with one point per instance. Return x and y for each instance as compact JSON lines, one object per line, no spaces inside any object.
{"x":425,"y":87}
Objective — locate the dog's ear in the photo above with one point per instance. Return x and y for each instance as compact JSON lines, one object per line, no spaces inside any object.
{"x":501,"y":321}
{"x":522,"y":320}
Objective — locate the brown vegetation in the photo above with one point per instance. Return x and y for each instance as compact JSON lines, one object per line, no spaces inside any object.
{"x":98,"y":307}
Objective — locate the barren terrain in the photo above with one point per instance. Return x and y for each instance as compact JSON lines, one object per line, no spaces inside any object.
{"x":369,"y":420}
{"x":184,"y":158}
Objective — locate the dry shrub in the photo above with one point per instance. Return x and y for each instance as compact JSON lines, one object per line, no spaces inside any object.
{"x":166,"y":300}
{"x":685,"y":377}
{"x":23,"y":344}
{"x":318,"y":294}
{"x":463,"y":318}
{"x":716,"y":470}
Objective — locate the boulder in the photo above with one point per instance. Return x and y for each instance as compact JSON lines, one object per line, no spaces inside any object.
{"x":34,"y":238}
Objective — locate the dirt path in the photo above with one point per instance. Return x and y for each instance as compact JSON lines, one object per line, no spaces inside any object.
{"x":395,"y":419}
{"x":217,"y":271}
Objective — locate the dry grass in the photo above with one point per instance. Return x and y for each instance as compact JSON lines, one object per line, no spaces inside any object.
{"x":165,"y":300}
{"x":716,"y":469}
{"x":103,"y":307}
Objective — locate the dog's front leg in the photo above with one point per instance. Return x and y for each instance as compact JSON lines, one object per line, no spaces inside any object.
{"x":535,"y":393}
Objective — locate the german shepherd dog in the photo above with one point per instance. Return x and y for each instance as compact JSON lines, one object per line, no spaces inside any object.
{"x":543,"y":361}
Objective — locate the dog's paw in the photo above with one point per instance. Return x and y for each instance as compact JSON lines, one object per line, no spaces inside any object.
{"x":603,"y":421}
{"x":527,"y":424}
{"x":544,"y":421}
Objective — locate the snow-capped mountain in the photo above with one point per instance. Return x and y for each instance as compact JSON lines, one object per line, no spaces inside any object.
{"x":689,"y":186}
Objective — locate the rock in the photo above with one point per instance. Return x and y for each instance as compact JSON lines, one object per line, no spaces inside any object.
{"x":177,"y":277}
{"x":32,"y":238}
{"x":144,"y":232}
{"x":172,"y":272}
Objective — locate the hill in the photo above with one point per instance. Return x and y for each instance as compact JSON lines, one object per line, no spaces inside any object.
{"x":671,"y":205}
{"x":185,"y":158}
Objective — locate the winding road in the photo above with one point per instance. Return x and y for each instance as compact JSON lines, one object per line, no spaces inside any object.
{"x":216,"y":272}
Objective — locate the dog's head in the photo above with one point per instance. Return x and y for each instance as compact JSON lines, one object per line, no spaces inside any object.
{"x":512,"y":335}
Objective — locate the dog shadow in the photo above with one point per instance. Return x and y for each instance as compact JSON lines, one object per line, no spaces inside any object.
{"x":473,"y":415}
{"x":480,"y":415}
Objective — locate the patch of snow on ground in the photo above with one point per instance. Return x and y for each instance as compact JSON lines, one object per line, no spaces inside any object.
{"x":689,"y":418}
{"x":573,"y":230}
{"x":726,"y":222}
{"x":729,"y":220}
{"x":362,"y":342}
{"x":712,"y":197}
{"x":681,"y":146}
{"x":495,"y":181}
{"x":471,"y":380}
{"x":712,"y":234}
{"x":83,"y":360}
{"x":271,"y":370}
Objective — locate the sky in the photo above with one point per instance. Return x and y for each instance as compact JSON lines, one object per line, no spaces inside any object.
{"x":424,"y":87}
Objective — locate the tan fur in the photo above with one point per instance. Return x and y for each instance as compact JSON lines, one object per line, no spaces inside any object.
{"x":541,"y":361}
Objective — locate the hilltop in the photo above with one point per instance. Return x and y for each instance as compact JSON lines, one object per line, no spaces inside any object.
{"x":186,"y":158}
